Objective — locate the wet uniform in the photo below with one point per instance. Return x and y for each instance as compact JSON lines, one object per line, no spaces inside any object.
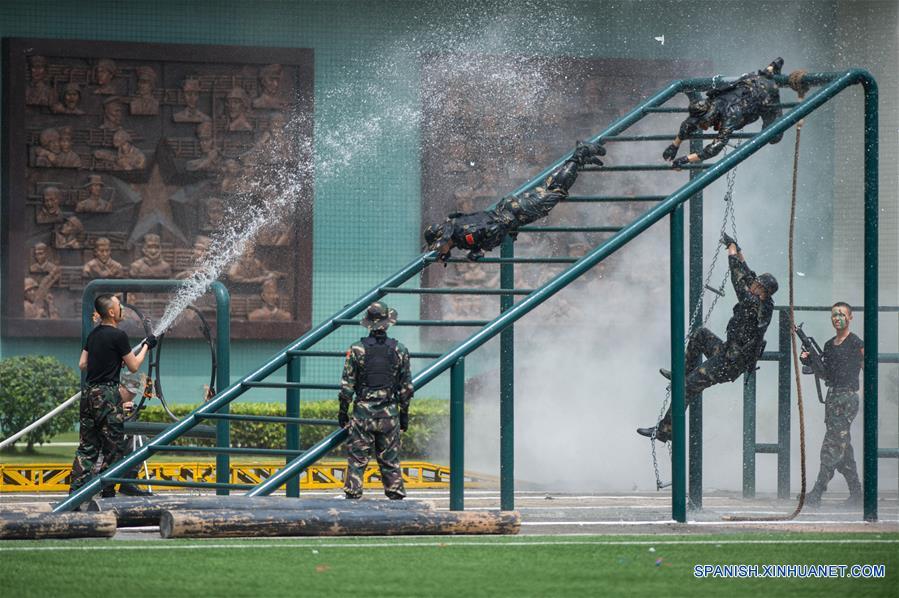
{"x":736,"y":105}
{"x":726,"y":360}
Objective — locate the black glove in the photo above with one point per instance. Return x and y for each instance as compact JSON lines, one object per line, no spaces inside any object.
{"x":151,"y":341}
{"x":727,"y":240}
{"x":404,"y":420}
{"x":474,"y":255}
{"x":680,"y":162}
{"x":670,"y":152}
{"x":343,"y":418}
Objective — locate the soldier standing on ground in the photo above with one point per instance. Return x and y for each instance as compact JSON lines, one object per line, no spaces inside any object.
{"x":843,"y":359}
{"x":726,"y":359}
{"x":377,"y":373}
{"x":102,"y":436}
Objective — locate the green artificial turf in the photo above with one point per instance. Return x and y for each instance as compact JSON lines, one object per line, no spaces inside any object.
{"x":441,"y":566}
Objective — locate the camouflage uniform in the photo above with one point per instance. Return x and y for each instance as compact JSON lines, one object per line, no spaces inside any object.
{"x":727,"y":360}
{"x":483,"y":231}
{"x":840,"y":409}
{"x":102,"y":436}
{"x":375,"y":422}
{"x":733,"y":106}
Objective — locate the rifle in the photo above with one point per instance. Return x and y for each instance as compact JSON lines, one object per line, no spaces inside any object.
{"x":815,"y":363}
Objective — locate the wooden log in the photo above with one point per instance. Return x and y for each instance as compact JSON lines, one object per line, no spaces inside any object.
{"x":231,"y":523}
{"x":25,"y":507}
{"x":38,"y":526}
{"x":136,"y":511}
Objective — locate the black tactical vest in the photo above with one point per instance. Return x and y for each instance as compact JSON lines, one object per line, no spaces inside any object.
{"x":379,"y":365}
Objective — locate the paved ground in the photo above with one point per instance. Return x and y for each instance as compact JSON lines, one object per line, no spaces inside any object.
{"x":642,"y":513}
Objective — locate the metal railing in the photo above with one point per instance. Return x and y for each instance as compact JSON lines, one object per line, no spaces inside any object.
{"x":701,"y":176}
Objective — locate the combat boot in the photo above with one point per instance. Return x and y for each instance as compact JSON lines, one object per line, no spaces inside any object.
{"x":658,"y":432}
{"x":133,"y":490}
{"x":665,"y":373}
{"x":856,"y":497}
{"x":813,"y":498}
{"x":353,"y":496}
{"x":108,"y":492}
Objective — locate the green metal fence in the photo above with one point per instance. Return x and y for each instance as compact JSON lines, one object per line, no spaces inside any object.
{"x":701,"y":176}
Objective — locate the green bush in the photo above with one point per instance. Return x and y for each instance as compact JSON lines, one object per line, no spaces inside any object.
{"x":30,"y":386}
{"x":426,"y":437}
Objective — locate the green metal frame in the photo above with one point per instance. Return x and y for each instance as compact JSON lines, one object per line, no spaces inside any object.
{"x":832,"y":84}
{"x":784,"y":358}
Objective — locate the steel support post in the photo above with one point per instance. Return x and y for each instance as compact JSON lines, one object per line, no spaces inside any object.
{"x":678,"y":444}
{"x":749,"y":436}
{"x":457,"y":436}
{"x":507,"y":386}
{"x":292,"y":409}
{"x":696,"y":307}
{"x":784,"y":386}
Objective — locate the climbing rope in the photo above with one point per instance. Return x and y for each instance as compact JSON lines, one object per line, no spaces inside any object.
{"x":801,"y":88}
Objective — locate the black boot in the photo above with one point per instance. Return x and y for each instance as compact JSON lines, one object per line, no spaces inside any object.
{"x":658,"y":432}
{"x":108,"y":492}
{"x":133,"y":490}
{"x":665,"y":373}
{"x":856,"y":496}
{"x":813,"y":498}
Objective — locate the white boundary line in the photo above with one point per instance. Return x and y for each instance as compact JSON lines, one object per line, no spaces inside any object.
{"x":525,"y":543}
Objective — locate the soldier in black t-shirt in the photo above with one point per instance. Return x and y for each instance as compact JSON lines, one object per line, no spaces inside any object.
{"x":102,"y":435}
{"x":843,"y":358}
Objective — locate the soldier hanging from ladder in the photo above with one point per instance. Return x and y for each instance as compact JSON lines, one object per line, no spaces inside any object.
{"x":727,"y":108}
{"x":483,"y":231}
{"x":727,"y":359}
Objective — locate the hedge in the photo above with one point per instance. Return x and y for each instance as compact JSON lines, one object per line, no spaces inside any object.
{"x":427,"y":437}
{"x":30,"y":386}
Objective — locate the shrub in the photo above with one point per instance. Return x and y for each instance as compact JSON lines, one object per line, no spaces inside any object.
{"x":426,"y":438}
{"x":30,"y":386}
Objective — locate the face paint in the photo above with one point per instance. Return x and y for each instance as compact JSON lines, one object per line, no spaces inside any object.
{"x":839,"y":318}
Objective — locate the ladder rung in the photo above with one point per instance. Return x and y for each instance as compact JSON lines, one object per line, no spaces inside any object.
{"x":223,"y":450}
{"x":177,"y":483}
{"x":640,"y":167}
{"x":767,"y":448}
{"x":569,"y":229}
{"x":511,"y":260}
{"x":309,"y":385}
{"x":670,"y":137}
{"x":612,"y":198}
{"x":310,"y":353}
{"x":685,"y":109}
{"x":343,"y":322}
{"x":456,"y":291}
{"x":275,"y":419}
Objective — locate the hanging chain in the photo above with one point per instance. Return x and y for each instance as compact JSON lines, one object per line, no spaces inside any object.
{"x":729,"y":217}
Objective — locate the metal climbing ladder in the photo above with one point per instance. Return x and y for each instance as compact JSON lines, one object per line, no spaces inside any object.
{"x":701,"y":175}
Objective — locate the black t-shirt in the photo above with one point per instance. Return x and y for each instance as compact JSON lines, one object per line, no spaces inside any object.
{"x":105,"y":346}
{"x":844,"y":361}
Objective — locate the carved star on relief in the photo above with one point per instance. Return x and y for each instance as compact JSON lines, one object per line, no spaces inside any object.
{"x":155,"y":209}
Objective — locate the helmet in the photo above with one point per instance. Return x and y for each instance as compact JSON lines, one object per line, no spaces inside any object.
{"x":379,"y":316}
{"x":699,"y":108}
{"x":436,"y":233}
{"x":769,"y":282}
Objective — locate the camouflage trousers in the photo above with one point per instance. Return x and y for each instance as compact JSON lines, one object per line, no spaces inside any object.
{"x":102,"y":437}
{"x":383,"y":435}
{"x":840,"y":409}
{"x":720,"y":366}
